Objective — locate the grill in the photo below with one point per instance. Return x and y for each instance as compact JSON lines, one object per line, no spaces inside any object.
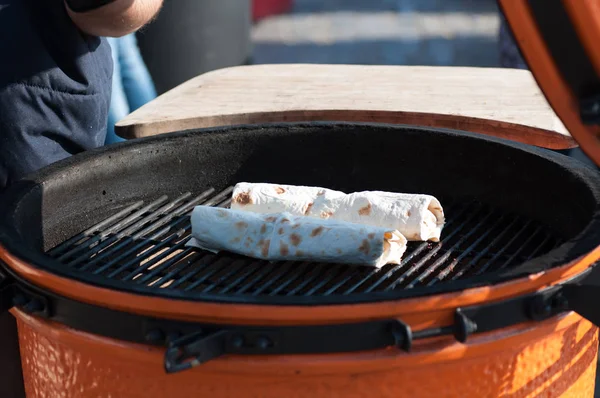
{"x":144,"y":244}
{"x":95,"y":252}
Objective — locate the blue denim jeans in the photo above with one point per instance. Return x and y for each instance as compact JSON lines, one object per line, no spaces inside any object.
{"x":132,"y":85}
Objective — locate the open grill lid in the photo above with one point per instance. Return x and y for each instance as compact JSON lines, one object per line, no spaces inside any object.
{"x":559,"y":41}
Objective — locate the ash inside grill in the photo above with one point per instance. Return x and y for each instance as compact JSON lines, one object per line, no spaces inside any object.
{"x":144,"y":244}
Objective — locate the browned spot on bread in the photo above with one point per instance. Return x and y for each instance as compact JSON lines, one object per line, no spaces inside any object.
{"x":236,"y":240}
{"x":388,"y":235}
{"x":371,"y":236}
{"x":222,"y":213}
{"x":295,"y":226}
{"x":241,"y":224}
{"x":265,"y":248}
{"x":284,"y":249}
{"x":280,"y":231}
{"x":316,"y":232}
{"x":299,"y":253}
{"x":408,"y":213}
{"x":339,"y":251}
{"x":271,"y":219}
{"x":295,"y":239}
{"x":263,"y":229}
{"x":308,"y":207}
{"x":243,"y":198}
{"x":326,"y":214}
{"x":279,"y":190}
{"x":365,"y":247}
{"x":365,"y":211}
{"x":284,"y":220}
{"x":415,"y":236}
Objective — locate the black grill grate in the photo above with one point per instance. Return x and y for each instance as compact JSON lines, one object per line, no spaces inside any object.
{"x":144,"y":244}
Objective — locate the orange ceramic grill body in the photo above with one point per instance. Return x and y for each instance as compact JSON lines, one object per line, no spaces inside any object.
{"x":554,"y":358}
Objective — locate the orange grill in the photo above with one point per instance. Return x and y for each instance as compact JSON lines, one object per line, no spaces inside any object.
{"x":110,"y":302}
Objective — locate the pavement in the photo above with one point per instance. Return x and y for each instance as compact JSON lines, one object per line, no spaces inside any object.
{"x":389,"y":32}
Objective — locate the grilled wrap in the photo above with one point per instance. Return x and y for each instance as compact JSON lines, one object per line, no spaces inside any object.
{"x":283,"y":236}
{"x":418,"y":217}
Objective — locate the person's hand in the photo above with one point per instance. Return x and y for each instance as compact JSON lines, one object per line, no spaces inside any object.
{"x":111,"y":18}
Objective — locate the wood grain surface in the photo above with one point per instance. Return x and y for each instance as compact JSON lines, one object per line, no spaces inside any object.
{"x":505,"y":103}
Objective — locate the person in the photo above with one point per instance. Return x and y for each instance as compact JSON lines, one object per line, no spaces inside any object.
{"x":55,"y":82}
{"x":132,"y":84}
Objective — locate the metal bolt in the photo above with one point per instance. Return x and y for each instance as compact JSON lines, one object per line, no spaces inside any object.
{"x":263,"y":342}
{"x":237,"y":342}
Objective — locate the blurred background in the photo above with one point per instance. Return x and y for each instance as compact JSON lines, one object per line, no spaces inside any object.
{"x":191,"y":37}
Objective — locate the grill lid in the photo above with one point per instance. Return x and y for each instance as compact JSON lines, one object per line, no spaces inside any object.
{"x":559,"y":41}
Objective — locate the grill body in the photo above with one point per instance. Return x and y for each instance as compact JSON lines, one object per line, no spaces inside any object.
{"x":556,"y":358}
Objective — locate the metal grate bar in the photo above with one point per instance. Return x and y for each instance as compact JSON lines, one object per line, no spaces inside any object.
{"x":500,"y":252}
{"x":295,"y":274}
{"x":125,"y":233}
{"x":449,"y":251}
{"x":345,"y":278}
{"x":521,"y":247}
{"x":122,"y":255}
{"x":212,"y":269}
{"x":145,"y":245}
{"x":250,"y":269}
{"x":413,"y":268}
{"x":485,"y":250}
{"x":452,"y":266}
{"x":331,"y":273}
{"x":90,"y":231}
{"x":204,"y":262}
{"x":230,"y":271}
{"x":405,"y":261}
{"x":267,"y":269}
{"x":114,"y":249}
{"x":177,"y":268}
{"x":114,"y":228}
{"x":306,"y":280}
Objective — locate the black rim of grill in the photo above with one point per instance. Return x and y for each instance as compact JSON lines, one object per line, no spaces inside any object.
{"x":142,"y":248}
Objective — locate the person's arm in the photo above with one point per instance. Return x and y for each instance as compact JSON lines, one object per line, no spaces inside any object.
{"x":111,"y":18}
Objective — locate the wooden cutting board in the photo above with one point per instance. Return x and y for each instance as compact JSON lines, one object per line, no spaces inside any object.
{"x":505,"y":103}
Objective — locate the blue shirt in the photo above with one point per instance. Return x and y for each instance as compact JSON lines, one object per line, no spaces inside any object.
{"x":55,"y":84}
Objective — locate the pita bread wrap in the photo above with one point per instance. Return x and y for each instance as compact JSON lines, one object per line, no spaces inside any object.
{"x":283,"y":236}
{"x":418,"y":217}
